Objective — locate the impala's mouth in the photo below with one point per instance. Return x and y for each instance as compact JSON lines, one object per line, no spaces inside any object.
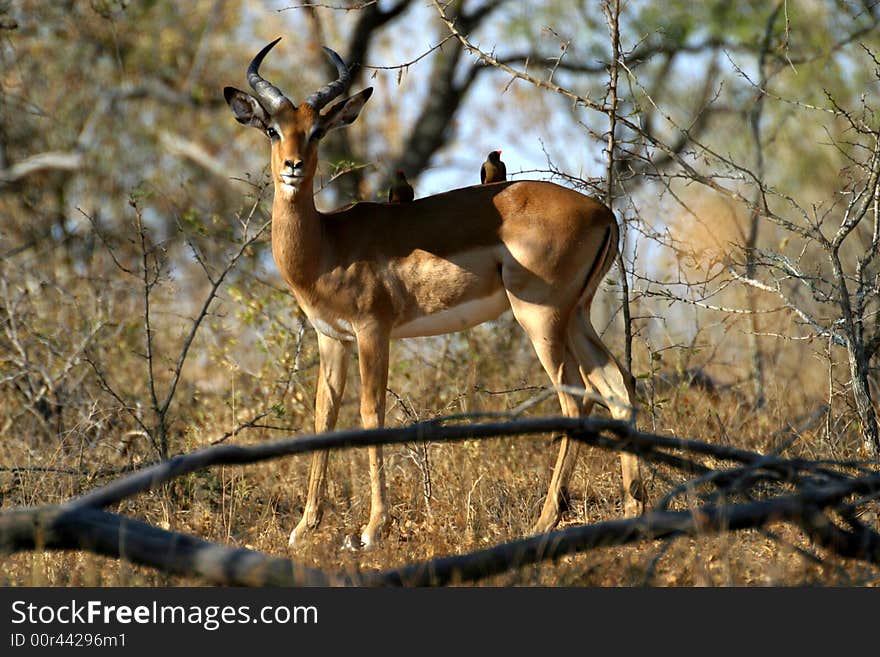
{"x":290,"y":180}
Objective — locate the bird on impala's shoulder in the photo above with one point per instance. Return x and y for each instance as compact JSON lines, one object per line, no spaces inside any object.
{"x":493,"y":169}
{"x":400,"y":191}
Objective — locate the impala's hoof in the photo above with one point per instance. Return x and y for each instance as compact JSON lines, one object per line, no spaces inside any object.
{"x":548,"y":520}
{"x":307,"y":524}
{"x":368,"y":541}
{"x":633,"y":508}
{"x":372,"y":533}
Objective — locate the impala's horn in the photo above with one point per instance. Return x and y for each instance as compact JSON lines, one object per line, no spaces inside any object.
{"x":327,"y":93}
{"x":267,"y":93}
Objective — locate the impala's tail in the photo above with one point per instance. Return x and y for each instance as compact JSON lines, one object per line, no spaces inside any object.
{"x":603,"y":263}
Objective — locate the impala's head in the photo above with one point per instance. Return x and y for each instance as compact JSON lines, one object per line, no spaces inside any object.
{"x":294,"y":131}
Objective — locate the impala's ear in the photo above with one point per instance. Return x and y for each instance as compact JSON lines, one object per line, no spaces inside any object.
{"x":245,"y":108}
{"x":345,"y":111}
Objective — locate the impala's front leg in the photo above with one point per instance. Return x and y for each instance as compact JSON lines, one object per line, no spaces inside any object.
{"x":373,"y":345}
{"x":333,"y":366}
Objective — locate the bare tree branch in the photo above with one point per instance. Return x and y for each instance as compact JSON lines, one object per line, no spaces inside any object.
{"x":48,"y":161}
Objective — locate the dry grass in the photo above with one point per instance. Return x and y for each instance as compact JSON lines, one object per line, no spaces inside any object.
{"x":482,"y":492}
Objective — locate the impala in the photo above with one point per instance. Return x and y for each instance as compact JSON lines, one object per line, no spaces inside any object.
{"x":375,"y":271}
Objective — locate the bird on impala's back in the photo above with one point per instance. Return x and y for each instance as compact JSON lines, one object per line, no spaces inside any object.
{"x":400,"y":191}
{"x":493,"y":169}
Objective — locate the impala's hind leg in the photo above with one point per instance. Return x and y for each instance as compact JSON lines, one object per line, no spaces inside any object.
{"x":601,"y":372}
{"x":546,"y":330}
{"x":568,"y":448}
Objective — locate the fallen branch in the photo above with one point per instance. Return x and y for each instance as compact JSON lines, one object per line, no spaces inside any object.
{"x":586,"y":430}
{"x":819,"y":487}
{"x":711,"y":519}
{"x":109,"y":534}
{"x":591,"y":431}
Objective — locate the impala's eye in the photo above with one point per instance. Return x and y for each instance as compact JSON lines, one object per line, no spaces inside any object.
{"x":316,"y":134}
{"x":272,"y":133}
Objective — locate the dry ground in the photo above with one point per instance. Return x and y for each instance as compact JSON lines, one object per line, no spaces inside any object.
{"x":481,"y":492}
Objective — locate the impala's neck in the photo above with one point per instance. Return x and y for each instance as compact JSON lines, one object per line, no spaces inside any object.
{"x":296,"y":233}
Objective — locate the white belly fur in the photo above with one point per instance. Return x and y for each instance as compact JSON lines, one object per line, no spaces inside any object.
{"x":456,"y":318}
{"x":338,"y":328}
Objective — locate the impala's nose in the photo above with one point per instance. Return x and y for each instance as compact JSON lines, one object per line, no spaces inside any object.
{"x":292,"y":173}
{"x":293,"y":166}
